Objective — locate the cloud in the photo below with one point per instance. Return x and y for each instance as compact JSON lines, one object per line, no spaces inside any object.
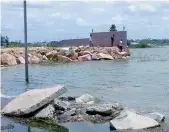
{"x":77,"y":18}
{"x":97,"y":10}
{"x":61,"y":15}
{"x":56,"y":14}
{"x":142,"y":7}
{"x":81,"y":22}
{"x":118,"y":19}
{"x":165,"y":18}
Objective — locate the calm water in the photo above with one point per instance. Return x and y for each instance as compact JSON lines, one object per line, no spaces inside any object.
{"x":140,"y":83}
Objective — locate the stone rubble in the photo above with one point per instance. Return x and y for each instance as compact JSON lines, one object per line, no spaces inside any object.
{"x":14,"y":56}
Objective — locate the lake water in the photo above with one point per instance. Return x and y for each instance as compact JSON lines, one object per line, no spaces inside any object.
{"x":140,"y":83}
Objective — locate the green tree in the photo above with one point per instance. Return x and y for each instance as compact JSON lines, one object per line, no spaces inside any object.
{"x":7,"y":41}
{"x":113,"y":28}
{"x":2,"y":40}
{"x":128,"y":43}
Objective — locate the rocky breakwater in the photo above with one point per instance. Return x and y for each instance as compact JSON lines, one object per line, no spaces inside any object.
{"x":14,"y":56}
{"x":45,"y":104}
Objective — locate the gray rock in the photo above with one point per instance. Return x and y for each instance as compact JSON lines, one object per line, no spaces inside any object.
{"x":102,"y":109}
{"x":69,"y":98}
{"x":133,"y":121}
{"x":61,"y":105}
{"x":86,"y":98}
{"x":47,"y":112}
{"x":117,"y":106}
{"x":156,"y":116}
{"x":32,"y":100}
{"x":71,"y":112}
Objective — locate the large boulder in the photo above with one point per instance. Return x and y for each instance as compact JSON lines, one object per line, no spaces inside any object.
{"x":72,"y":54}
{"x":62,"y":52}
{"x":49,"y":55}
{"x":52,"y":54}
{"x":85,"y":53}
{"x":32,"y":100}
{"x":105,"y":56}
{"x":86,"y":57}
{"x":20,"y":60}
{"x":64,"y":58}
{"x":34,"y":59}
{"x":44,"y":57}
{"x":86,"y":98}
{"x":61,"y":105}
{"x":95,"y":56}
{"x":133,"y":121}
{"x":8,"y":59}
{"x":103,"y":109}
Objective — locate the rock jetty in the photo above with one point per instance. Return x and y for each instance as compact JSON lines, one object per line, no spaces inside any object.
{"x":14,"y":56}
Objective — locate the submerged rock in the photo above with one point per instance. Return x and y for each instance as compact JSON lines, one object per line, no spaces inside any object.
{"x":133,"y":121}
{"x":32,"y":100}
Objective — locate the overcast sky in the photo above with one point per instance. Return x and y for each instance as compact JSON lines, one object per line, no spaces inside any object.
{"x":54,"y":20}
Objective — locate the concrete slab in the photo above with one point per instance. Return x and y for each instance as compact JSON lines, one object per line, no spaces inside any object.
{"x":133,"y":121}
{"x":32,"y":100}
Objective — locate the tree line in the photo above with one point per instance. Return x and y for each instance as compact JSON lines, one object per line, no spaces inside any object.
{"x":5,"y":42}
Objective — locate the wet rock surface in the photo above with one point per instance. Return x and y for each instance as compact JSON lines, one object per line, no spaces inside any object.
{"x":32,"y":100}
{"x":78,"y":109}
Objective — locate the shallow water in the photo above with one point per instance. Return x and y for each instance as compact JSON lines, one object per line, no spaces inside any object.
{"x":139,"y":83}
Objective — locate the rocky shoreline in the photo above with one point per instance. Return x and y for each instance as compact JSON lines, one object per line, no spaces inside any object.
{"x":14,"y":56}
{"x":46,"y":104}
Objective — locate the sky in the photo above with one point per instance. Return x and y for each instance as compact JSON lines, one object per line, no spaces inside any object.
{"x":57,"y":20}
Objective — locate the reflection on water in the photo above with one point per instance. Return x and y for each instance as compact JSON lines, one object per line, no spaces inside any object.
{"x":140,"y":83}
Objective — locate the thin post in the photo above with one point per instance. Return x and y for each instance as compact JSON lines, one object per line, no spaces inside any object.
{"x":26,"y":48}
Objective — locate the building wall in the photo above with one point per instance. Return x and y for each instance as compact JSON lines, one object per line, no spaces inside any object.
{"x":104,"y":38}
{"x":98,"y":38}
{"x":74,"y":42}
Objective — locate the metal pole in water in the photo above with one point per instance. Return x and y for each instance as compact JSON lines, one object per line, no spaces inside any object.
{"x":26,"y":48}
